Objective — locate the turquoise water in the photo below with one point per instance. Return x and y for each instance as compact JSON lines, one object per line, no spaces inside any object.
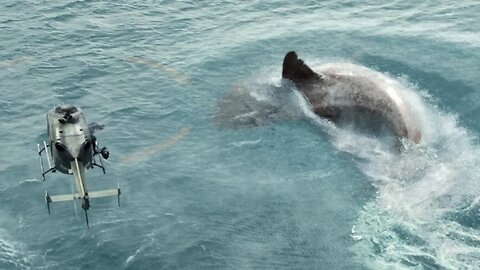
{"x":203,"y":189}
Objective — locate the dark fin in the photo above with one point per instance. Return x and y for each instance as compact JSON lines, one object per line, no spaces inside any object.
{"x":297,"y":71}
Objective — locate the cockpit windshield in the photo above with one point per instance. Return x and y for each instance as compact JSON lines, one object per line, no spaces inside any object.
{"x":66,"y":109}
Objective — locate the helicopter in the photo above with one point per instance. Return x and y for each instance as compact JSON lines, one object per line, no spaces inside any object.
{"x":71,"y":149}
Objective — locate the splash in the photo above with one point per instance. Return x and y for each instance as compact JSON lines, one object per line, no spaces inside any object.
{"x":423,"y":194}
{"x":426,"y":209}
{"x":427,"y":200}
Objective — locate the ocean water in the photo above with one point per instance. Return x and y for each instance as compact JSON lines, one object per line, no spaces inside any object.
{"x":222,"y":165}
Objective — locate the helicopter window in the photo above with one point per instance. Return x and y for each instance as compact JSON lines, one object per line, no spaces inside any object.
{"x":68,"y":109}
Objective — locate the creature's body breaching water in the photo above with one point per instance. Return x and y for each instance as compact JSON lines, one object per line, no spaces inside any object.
{"x":340,"y":94}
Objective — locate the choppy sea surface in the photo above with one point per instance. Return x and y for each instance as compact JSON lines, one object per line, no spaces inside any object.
{"x":223,"y":167}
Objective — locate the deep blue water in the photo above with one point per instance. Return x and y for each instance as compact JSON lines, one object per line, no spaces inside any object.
{"x":202,"y":190}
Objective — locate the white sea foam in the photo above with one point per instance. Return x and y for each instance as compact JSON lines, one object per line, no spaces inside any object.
{"x":11,"y":254}
{"x":417,"y":188}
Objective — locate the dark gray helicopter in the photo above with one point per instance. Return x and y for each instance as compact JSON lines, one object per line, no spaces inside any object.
{"x":73,"y":147}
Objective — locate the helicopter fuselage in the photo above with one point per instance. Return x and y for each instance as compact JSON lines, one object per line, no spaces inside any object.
{"x":70,"y":138}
